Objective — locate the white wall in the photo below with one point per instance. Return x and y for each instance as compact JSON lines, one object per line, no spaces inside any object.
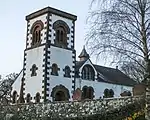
{"x":33,"y":84}
{"x":62,"y":57}
{"x":17,"y":84}
{"x":99,"y":87}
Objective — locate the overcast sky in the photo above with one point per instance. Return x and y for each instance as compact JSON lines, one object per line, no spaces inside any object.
{"x":13,"y":27}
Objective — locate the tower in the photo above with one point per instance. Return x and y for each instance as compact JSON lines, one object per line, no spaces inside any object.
{"x":49,"y":57}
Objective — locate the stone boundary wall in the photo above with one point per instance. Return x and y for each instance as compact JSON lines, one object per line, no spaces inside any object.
{"x":59,"y":110}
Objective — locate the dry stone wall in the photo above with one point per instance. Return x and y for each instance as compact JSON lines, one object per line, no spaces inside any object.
{"x":67,"y":110}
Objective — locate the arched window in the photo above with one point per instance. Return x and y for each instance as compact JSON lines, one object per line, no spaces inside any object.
{"x":33,"y":70}
{"x":87,"y":92}
{"x":84,"y":92}
{"x":90,"y":93}
{"x":67,"y":71}
{"x":61,"y":30}
{"x":14,"y":97}
{"x":61,"y":37}
{"x":108,"y":93}
{"x":54,"y":70}
{"x":37,"y":97}
{"x":88,"y":73}
{"x":36,"y":32}
{"x":28,"y":99}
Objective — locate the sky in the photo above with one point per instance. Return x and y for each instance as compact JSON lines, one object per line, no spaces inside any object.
{"x":13,"y":27}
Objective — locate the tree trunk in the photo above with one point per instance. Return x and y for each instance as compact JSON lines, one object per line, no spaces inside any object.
{"x":147,"y":112}
{"x":147,"y":63}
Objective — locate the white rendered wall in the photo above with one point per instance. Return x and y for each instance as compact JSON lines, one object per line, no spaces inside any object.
{"x":59,"y":80}
{"x":62,"y":57}
{"x":33,"y":84}
{"x":99,"y":87}
{"x":17,"y":84}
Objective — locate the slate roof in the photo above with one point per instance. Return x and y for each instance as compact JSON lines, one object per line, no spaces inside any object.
{"x":112,"y":75}
{"x":115,"y":76}
{"x":84,"y":53}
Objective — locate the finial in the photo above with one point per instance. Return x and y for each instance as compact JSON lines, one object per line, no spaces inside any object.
{"x":83,"y":55}
{"x":83,"y":46}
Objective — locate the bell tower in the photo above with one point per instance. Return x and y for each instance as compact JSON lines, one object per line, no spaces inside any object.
{"x":49,"y":50}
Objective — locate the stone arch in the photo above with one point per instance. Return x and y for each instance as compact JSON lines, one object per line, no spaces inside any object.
{"x":36,"y":29}
{"x":61,"y":31}
{"x":87,"y":92}
{"x":88,"y":73}
{"x":60,"y":93}
{"x":37,"y":23}
{"x":60,"y":23}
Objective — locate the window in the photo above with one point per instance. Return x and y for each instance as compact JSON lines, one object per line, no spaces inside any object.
{"x":67,"y":71}
{"x":88,"y":73}
{"x":28,"y":99}
{"x":61,"y":37}
{"x":90,"y":93}
{"x":14,"y":97}
{"x":33,"y":70}
{"x":54,"y":70}
{"x":84,"y":93}
{"x":87,"y":93}
{"x":36,"y":35}
{"x":36,"y":32}
{"x":61,"y":31}
{"x":108,"y":93}
{"x":37,"y":97}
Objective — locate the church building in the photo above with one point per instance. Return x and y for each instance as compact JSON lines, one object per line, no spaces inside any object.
{"x":50,"y":69}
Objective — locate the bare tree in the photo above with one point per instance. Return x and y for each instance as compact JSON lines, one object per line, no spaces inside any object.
{"x":5,"y":87}
{"x":120,"y":29}
{"x":133,"y":70}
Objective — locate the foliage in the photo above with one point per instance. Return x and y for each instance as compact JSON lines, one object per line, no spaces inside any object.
{"x":137,"y":116}
{"x":5,"y":87}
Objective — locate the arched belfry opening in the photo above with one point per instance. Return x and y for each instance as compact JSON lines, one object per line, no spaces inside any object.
{"x":61,"y":31}
{"x":60,"y":93}
{"x":36,"y":29}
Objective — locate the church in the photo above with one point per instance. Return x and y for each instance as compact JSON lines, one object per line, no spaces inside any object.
{"x":50,"y":69}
